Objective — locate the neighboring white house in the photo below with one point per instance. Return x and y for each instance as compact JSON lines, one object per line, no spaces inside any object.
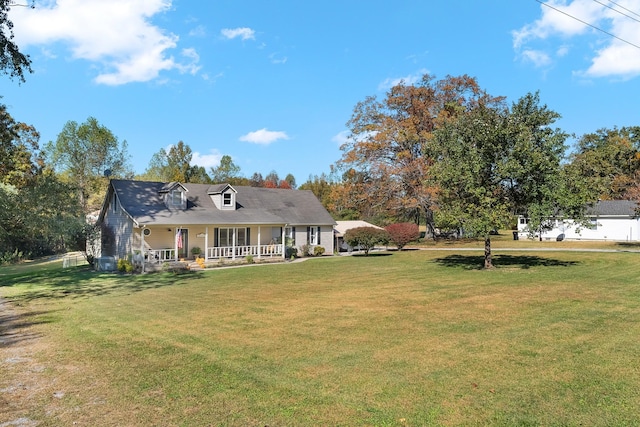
{"x":169,"y":221}
{"x":608,"y":220}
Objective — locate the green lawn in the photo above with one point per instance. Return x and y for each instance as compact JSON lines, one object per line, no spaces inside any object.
{"x":409,"y":338}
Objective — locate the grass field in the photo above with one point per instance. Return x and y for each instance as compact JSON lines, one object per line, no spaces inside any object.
{"x":408,"y":338}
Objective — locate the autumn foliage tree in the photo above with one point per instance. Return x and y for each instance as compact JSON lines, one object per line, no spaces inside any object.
{"x":386,"y":160}
{"x":402,"y":233}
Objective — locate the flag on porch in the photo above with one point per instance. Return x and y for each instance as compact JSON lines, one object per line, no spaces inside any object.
{"x":179,"y":239}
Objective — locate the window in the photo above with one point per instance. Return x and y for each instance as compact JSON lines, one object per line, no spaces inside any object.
{"x":276,"y":235}
{"x":314,"y":235}
{"x":175,"y":198}
{"x":289,"y":236}
{"x":241,"y":236}
{"x":524,"y":221}
{"x":225,"y":236}
{"x":227,"y":199}
{"x":593,"y":224}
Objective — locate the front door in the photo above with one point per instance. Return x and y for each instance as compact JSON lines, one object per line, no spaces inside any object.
{"x":182,"y":240}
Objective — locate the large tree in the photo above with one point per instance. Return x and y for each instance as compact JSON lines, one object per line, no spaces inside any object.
{"x":19,"y":152}
{"x":87,"y":155}
{"x":227,"y":172}
{"x":175,"y":166}
{"x":12,"y":62}
{"x":38,"y":212}
{"x":386,"y":159}
{"x":609,"y":161}
{"x":494,"y":162}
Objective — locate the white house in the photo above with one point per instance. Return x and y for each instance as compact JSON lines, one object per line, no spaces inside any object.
{"x":170,"y":221}
{"x":608,"y":220}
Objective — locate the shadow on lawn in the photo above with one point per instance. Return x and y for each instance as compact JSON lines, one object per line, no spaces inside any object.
{"x":15,"y":327}
{"x":476,"y":262}
{"x":81,"y":282}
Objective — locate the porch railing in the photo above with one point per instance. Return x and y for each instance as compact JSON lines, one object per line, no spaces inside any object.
{"x":161,"y":255}
{"x":243,"y":251}
{"x":169,"y":254}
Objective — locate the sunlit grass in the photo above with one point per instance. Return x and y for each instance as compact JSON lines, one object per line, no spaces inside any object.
{"x":408,"y":338}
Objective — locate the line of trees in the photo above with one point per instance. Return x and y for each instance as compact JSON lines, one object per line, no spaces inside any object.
{"x":444,"y":153}
{"x":175,"y":165}
{"x":447,"y":154}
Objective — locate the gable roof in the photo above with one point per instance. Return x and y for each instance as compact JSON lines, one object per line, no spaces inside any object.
{"x":144,"y":203}
{"x":341,"y":227}
{"x":172,"y":185}
{"x":625,"y":208}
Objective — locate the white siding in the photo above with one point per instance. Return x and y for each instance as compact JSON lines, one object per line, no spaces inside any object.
{"x":604,"y":228}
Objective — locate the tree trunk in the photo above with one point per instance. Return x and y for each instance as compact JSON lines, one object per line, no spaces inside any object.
{"x":487,"y":253}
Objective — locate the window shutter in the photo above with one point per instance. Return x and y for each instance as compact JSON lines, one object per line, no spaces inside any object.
{"x":293,"y":235}
{"x":318,"y":235}
{"x":308,"y":235}
{"x":247,"y":237}
{"x":215,"y":238}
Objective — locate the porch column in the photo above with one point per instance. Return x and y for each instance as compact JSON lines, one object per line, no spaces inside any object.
{"x":206,"y":244}
{"x":284,"y":228}
{"x":259,"y":240}
{"x":175,"y":243}
{"x":142,"y":246}
{"x":233,"y":244}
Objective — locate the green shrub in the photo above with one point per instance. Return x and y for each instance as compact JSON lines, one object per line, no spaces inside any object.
{"x":366,"y":237}
{"x":318,"y":251}
{"x":11,"y":257}
{"x":125,"y":266}
{"x":291,"y":252}
{"x":249,"y":259}
{"x":305,"y":250}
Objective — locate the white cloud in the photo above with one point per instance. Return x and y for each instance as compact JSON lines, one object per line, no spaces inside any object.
{"x":275,"y":59}
{"x":613,"y":57}
{"x":407,"y":80}
{"x":264,"y":136}
{"x":206,"y":160}
{"x":341,"y":138}
{"x":199,"y":31}
{"x":537,"y":57}
{"x":244,"y":33}
{"x":115,"y":34}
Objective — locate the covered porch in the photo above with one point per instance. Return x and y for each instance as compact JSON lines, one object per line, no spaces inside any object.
{"x":164,"y":244}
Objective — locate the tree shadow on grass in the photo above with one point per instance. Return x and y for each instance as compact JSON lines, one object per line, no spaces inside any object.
{"x":476,"y":262}
{"x":629,"y":245}
{"x":81,"y":282}
{"x":15,"y":327}
{"x":371,"y":254}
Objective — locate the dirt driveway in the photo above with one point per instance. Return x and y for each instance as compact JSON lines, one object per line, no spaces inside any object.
{"x":22,"y":383}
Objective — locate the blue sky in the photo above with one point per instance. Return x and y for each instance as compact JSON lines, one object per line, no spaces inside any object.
{"x":272,"y":84}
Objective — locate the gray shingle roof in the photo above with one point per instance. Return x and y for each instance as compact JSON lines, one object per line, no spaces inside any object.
{"x":613,"y":208}
{"x":143,"y":201}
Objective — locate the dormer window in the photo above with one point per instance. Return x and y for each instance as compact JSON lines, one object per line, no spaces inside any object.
{"x":223,"y":196}
{"x":175,"y":198}
{"x":174,"y":195}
